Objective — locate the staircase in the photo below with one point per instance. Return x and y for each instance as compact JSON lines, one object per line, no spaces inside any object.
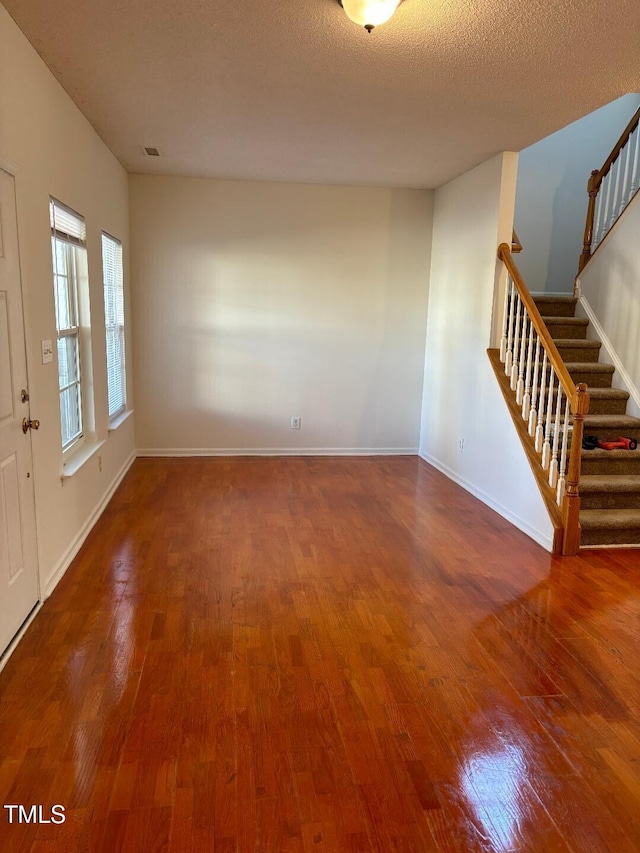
{"x":610,"y":479}
{"x":557,"y":390}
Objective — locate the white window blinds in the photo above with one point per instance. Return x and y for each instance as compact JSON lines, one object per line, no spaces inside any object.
{"x":114,"y":323}
{"x":66,"y":224}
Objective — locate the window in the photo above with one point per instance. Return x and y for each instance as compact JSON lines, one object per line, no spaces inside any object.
{"x":114,"y":324}
{"x":68,"y":246}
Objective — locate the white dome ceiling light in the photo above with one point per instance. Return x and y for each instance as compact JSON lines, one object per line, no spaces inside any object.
{"x":369,"y":13}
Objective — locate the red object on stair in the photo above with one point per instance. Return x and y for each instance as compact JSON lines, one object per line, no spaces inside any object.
{"x":620,"y":443}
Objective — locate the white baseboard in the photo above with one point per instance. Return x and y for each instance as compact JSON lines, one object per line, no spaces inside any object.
{"x":67,"y":558}
{"x":543,"y":539}
{"x":277,"y":451}
{"x":625,"y":381}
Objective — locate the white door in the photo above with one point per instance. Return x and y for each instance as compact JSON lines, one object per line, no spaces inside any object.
{"x":18,"y":561}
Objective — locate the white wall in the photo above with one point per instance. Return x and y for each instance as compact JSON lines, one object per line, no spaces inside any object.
{"x":551,"y":199}
{"x":52,"y":150}
{"x":462,"y":400}
{"x":610,"y":295}
{"x":256,"y":302}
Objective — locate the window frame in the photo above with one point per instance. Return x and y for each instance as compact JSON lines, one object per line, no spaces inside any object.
{"x":71,"y":244}
{"x":118,"y":326}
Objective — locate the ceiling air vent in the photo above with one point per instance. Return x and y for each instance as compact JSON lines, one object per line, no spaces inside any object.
{"x":151,"y":152}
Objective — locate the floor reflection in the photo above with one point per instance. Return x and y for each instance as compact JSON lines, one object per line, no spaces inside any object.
{"x":492,"y":784}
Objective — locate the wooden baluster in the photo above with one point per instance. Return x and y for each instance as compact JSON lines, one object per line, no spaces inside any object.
{"x":508,"y":363}
{"x":516,"y":344}
{"x":571,"y":502}
{"x":539,"y":438}
{"x":546,"y":447}
{"x":533,"y":414}
{"x":592,"y":188}
{"x":563,"y":454}
{"x":553,"y":465}
{"x":522,"y":356}
{"x":505,"y":319}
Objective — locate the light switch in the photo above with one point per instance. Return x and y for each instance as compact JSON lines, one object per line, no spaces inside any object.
{"x":47,"y":352}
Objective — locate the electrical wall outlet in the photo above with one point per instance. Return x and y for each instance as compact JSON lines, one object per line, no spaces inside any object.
{"x":295,"y":423}
{"x":47,"y":351}
{"x":460,"y":445}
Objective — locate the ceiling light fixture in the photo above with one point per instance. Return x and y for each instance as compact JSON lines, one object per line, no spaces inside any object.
{"x":369,"y":13}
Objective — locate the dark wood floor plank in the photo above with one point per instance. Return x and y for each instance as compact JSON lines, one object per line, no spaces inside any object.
{"x":306,"y":654}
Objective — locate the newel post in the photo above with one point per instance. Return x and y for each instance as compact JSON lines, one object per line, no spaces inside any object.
{"x":593,"y":186}
{"x":571,"y":500}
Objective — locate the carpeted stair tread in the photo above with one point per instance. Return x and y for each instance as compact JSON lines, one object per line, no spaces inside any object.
{"x":567,"y":327}
{"x":556,"y":305}
{"x":610,"y":483}
{"x":576,"y":343}
{"x":618,"y":455}
{"x":576,"y":349}
{"x":610,"y":519}
{"x":565,"y":321}
{"x":609,"y":462}
{"x":584,"y":367}
{"x":608,"y":394}
{"x":607,"y":400}
{"x":589,"y":367}
{"x":622,"y":422}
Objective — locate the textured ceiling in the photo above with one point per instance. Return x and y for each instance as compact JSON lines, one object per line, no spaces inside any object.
{"x":292,"y":90}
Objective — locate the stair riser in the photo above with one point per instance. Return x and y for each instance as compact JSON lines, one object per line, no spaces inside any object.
{"x":609,"y":500}
{"x":610,"y":465}
{"x":594,"y":380}
{"x":591,"y":354}
{"x":574,"y":333}
{"x":607,"y":407}
{"x":624,"y":536}
{"x":555,"y":309}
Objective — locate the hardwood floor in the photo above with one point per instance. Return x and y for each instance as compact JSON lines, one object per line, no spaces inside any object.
{"x":324,"y":654}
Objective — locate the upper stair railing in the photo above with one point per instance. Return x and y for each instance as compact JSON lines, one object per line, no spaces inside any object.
{"x":552,"y":406}
{"x":516,"y":245}
{"x":611,"y":188}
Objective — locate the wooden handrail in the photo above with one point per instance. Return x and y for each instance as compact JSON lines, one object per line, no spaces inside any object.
{"x":617,"y":148}
{"x":504,"y":253}
{"x":516,"y":245}
{"x":594,"y":183}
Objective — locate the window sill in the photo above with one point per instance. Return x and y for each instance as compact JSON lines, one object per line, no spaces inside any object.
{"x":118,"y":420}
{"x":78,"y":459}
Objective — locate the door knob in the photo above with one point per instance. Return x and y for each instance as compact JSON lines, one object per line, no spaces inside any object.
{"x":27,"y":425}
